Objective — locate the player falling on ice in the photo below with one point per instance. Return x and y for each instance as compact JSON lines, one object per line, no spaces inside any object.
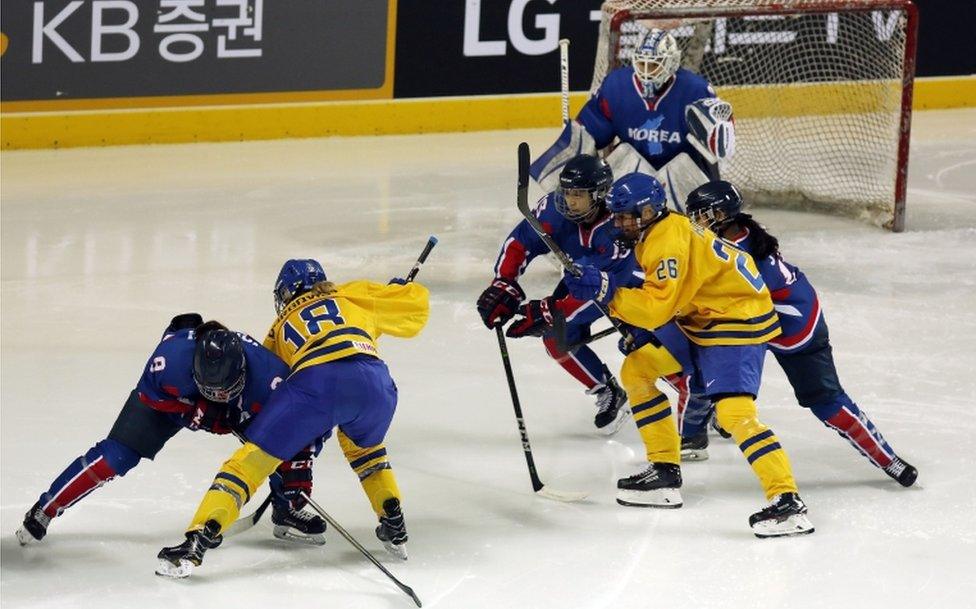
{"x":327,"y":334}
{"x":803,"y":350}
{"x":726,"y":311}
{"x":201,"y":376}
{"x":576,"y":216}
{"x":667,"y":120}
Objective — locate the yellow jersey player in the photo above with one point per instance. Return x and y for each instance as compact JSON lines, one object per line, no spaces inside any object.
{"x":327,"y":334}
{"x":717,"y":296}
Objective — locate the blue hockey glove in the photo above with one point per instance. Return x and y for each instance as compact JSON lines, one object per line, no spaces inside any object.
{"x":593,"y":285}
{"x":640,"y":338}
{"x":398,"y":281}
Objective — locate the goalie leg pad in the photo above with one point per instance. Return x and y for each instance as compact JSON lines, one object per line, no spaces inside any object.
{"x":625,"y":159}
{"x":679,"y":177}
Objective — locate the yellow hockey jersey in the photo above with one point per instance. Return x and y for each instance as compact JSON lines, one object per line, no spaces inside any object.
{"x":712,"y":288}
{"x":315,"y":328}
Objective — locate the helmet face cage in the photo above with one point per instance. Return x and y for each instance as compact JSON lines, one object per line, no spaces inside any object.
{"x":219,"y":365}
{"x":222,"y":394}
{"x":706,"y":201}
{"x":656,"y":59}
{"x":584,"y":173}
{"x":628,"y":199}
{"x":597,"y":198}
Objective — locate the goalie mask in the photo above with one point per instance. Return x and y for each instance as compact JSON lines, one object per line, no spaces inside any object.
{"x":637,"y":201}
{"x":655,"y":60}
{"x":583,"y":186}
{"x":219,"y":365}
{"x":714,"y":205}
{"x":296,"y":277}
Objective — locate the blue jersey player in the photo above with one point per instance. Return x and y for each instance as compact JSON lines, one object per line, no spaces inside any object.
{"x":803,"y":349}
{"x":201,"y":376}
{"x":667,"y":122}
{"x":577,"y":219}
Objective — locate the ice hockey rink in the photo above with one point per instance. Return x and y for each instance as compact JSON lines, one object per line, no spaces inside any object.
{"x":100,"y":247}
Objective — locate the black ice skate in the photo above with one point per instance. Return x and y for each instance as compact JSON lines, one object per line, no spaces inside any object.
{"x":178,"y":561}
{"x":393,"y":530}
{"x":34,"y":527}
{"x":298,"y":525}
{"x":656,"y":486}
{"x":902,"y":471}
{"x":610,"y":404}
{"x":695,"y":448}
{"x":785,"y":516}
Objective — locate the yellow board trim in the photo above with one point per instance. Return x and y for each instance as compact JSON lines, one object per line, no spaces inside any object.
{"x":383,"y":117}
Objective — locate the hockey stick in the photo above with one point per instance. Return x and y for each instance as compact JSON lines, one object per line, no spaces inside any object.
{"x":431,"y":242}
{"x":242,"y":524}
{"x":564,"y":77}
{"x":352,"y":540}
{"x":537,"y":484}
{"x":523,"y":205}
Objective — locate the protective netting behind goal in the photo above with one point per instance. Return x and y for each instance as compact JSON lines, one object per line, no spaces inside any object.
{"x":821,"y":91}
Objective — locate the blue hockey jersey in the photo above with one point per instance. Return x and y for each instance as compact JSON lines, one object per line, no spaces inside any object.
{"x":655,"y":127}
{"x":794,"y":298}
{"x":167,"y":381}
{"x":591,"y":243}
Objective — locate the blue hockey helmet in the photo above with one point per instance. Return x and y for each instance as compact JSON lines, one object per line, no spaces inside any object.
{"x":637,"y":201}
{"x":714,"y":205}
{"x":586,"y":179}
{"x":218,"y":363}
{"x":296,"y":276}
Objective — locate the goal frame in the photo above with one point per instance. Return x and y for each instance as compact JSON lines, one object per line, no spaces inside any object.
{"x":897,"y":223}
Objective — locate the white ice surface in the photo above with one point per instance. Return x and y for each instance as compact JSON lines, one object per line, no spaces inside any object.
{"x":100,"y":247}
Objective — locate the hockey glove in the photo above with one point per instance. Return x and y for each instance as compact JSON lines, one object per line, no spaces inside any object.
{"x":397,"y":280}
{"x":711,"y":129}
{"x":210,"y":416}
{"x":536,"y":318}
{"x":296,"y":478}
{"x":593,"y":284}
{"x":640,"y":337}
{"x":498,"y":303}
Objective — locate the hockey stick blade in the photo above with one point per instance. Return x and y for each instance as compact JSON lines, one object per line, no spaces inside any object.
{"x":564,"y":496}
{"x":242,"y":524}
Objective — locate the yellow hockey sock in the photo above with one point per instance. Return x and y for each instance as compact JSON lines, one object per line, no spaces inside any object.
{"x":235,"y":483}
{"x":758,"y":443}
{"x":651,"y":409}
{"x":373,"y":468}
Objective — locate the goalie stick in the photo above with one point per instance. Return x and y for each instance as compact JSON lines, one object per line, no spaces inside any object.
{"x":352,"y":540}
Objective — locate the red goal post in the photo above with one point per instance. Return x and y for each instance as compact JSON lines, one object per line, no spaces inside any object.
{"x":821,"y":91}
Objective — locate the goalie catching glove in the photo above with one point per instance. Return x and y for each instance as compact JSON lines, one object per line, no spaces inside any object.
{"x":497,"y":304}
{"x":711,"y":130}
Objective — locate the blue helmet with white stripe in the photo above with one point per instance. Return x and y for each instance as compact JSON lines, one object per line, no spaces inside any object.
{"x":655,"y":60}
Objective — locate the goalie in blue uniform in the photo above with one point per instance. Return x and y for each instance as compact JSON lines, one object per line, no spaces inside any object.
{"x":667,"y":121}
{"x":803,"y":350}
{"x":201,"y":376}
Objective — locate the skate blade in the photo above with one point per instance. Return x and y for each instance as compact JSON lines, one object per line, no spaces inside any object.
{"x":24,"y":537}
{"x":293,"y":535}
{"x":667,"y":498}
{"x":167,"y":569}
{"x":694,"y":454}
{"x":798,"y":524}
{"x":614,"y":426}
{"x":397,"y":551}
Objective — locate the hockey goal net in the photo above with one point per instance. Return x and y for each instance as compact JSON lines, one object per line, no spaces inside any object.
{"x":821,"y":92}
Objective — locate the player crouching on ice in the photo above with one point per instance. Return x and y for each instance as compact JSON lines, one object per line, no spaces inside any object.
{"x":327,"y":334}
{"x":201,"y":376}
{"x":803,"y":350}
{"x":576,"y":217}
{"x":725,"y":310}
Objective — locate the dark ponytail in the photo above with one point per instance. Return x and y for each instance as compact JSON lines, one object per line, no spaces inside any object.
{"x":762,"y":243}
